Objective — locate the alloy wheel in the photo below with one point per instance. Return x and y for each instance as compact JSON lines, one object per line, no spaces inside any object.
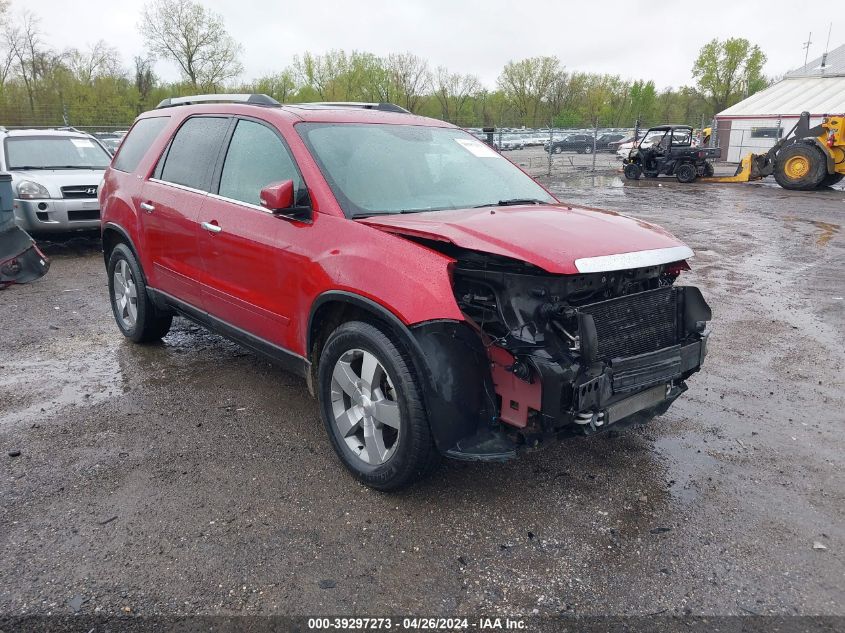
{"x":365,"y":406}
{"x":125,"y":294}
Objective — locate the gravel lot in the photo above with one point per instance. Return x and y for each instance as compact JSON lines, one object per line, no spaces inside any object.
{"x":194,"y":477}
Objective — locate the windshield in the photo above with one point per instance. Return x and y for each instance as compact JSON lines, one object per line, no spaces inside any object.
{"x":378,"y":169}
{"x":55,"y":152}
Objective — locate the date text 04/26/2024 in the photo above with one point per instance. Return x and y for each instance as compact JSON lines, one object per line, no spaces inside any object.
{"x":416,"y":624}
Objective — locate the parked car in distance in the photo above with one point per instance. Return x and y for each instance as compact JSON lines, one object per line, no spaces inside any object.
{"x":436,"y":299}
{"x":55,"y":175}
{"x":111,"y":144}
{"x":581,"y":143}
{"x":603,"y":141}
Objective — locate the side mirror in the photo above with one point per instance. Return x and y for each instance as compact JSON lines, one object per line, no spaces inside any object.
{"x":277,"y":196}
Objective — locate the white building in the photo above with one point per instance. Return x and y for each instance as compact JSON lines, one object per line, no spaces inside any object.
{"x":755,"y":124}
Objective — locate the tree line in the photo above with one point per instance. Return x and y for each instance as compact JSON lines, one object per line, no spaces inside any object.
{"x":92,"y":86}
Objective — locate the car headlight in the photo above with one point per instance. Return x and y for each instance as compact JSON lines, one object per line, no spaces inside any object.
{"x":30,"y":190}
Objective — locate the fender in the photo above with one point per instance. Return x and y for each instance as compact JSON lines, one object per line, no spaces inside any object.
{"x":111,"y":226}
{"x":455,"y":379}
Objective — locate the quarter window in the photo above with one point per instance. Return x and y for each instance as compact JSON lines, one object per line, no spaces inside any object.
{"x":137,"y":142}
{"x":255,"y":159}
{"x":193,"y":152}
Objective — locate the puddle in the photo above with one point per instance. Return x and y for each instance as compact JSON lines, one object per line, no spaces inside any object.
{"x":35,"y":389}
{"x":685,"y":466}
{"x":827,"y":229}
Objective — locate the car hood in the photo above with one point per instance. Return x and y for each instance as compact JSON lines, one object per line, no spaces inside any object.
{"x":558,"y":239}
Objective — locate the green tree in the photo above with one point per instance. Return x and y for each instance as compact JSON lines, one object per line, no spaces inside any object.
{"x":528,"y":82}
{"x":728,"y":71}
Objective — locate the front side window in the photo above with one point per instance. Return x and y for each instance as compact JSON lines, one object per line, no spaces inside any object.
{"x":193,"y":152}
{"x":380,"y":169}
{"x":256,"y":158}
{"x":55,"y":152}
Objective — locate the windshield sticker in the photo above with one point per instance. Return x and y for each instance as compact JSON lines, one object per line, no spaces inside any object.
{"x":477,"y":148}
{"x":82,"y":143}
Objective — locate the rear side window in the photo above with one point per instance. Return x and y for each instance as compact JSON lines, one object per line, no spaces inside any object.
{"x":137,"y":142}
{"x":256,"y":158}
{"x":193,"y":152}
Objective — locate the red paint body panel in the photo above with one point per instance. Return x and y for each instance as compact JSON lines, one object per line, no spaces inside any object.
{"x":551,"y":237}
{"x":170,"y":238}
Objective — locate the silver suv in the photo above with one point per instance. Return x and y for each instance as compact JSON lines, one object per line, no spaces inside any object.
{"x":55,"y":175}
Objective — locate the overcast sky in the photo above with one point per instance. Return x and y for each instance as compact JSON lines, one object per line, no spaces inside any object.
{"x":649,"y":39}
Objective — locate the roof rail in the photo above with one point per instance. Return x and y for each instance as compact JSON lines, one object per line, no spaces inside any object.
{"x":384,"y":107}
{"x":252,"y":99}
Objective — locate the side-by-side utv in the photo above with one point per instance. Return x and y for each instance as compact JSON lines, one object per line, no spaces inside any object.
{"x":667,"y":150}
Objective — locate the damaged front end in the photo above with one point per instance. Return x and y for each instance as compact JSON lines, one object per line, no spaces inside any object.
{"x":567,"y":354}
{"x":20,"y":259}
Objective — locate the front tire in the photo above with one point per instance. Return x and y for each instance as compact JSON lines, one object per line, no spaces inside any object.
{"x":686,"y":173}
{"x":800,"y":167}
{"x":135,"y":314}
{"x":372,"y":407}
{"x":632,"y":171}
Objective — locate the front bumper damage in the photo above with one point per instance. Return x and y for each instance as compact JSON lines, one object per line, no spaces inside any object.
{"x":619,"y":361}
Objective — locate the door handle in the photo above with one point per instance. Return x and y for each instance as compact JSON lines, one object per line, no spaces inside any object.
{"x":211,"y":228}
{"x":146,"y":206}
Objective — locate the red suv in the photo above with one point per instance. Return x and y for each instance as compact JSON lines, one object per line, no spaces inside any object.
{"x":436,"y":299}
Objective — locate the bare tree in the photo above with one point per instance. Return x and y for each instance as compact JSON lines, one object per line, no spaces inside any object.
{"x":195,"y":38}
{"x":24,"y":42}
{"x":99,"y":60}
{"x":411,"y":76}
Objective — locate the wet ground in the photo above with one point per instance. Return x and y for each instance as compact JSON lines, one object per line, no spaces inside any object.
{"x":194,"y":477}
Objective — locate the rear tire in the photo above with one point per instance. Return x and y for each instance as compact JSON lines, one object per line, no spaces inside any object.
{"x":588,"y":149}
{"x":633,"y":171}
{"x":372,"y":407}
{"x":800,"y":167}
{"x":708,"y":170}
{"x":831,"y":179}
{"x":686,"y":173}
{"x":136,"y":316}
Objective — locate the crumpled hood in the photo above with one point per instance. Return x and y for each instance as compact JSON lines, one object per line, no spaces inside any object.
{"x":558,"y":239}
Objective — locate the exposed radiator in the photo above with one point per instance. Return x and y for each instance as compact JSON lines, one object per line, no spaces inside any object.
{"x":636,"y":324}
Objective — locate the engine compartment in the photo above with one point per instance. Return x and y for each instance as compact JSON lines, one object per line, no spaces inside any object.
{"x":521,"y":308}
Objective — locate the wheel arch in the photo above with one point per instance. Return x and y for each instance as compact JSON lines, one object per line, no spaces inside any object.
{"x":333,"y":307}
{"x":436,"y":348}
{"x":112,"y":235}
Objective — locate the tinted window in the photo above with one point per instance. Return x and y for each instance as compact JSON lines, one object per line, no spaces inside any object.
{"x":193,"y":152}
{"x":137,"y":142}
{"x":256,"y":158}
{"x":55,"y":152}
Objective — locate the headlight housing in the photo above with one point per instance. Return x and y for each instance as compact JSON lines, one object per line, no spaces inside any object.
{"x":31,"y":190}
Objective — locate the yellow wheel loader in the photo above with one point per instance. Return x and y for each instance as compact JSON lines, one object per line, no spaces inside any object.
{"x":806,"y":158}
